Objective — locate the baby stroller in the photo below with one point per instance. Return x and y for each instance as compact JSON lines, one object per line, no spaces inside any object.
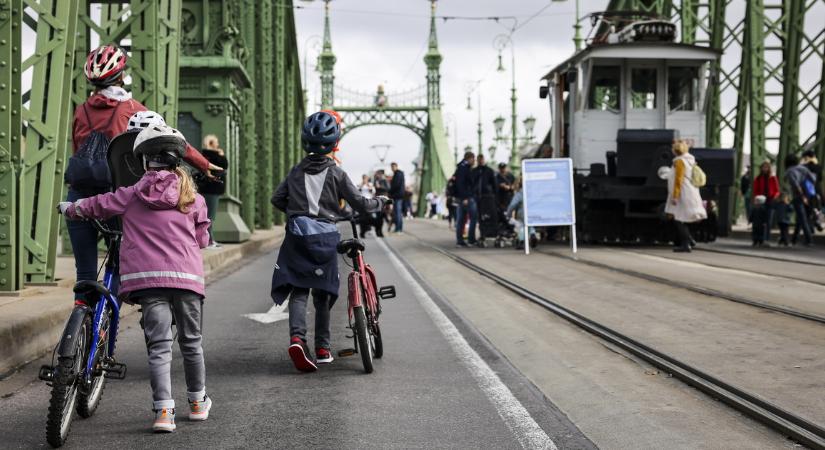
{"x":488,"y":219}
{"x":507,"y":235}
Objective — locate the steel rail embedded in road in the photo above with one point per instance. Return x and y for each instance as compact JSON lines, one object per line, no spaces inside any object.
{"x":786,"y":422}
{"x":697,"y":289}
{"x":768,"y":257}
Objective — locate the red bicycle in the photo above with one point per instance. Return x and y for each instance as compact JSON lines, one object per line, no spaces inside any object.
{"x":364,"y":305}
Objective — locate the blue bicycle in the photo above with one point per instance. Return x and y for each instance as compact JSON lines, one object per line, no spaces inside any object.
{"x":85,"y":353}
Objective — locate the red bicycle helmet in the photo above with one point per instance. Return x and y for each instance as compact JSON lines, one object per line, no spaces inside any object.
{"x":104,"y":65}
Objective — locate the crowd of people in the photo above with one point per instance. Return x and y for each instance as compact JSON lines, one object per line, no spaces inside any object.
{"x":769,"y":205}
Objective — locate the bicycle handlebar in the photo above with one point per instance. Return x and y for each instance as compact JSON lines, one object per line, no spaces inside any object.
{"x":103,"y":229}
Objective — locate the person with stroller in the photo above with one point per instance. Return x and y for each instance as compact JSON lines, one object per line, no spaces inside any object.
{"x":765,"y":194}
{"x":165,"y":225}
{"x":465,"y":199}
{"x":504,"y":183}
{"x":310,"y":196}
{"x":486,"y":189}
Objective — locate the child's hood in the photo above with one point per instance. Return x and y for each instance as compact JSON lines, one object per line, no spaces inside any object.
{"x":158,"y":189}
{"x":313,"y":164}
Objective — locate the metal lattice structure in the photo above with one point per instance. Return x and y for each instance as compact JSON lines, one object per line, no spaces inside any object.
{"x":418,"y":110}
{"x":224,"y":67}
{"x":768,"y":95}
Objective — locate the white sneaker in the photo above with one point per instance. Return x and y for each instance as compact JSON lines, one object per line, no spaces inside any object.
{"x":200,"y":410}
{"x":164,"y":420}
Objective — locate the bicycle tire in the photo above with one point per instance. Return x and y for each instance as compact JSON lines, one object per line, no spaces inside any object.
{"x":363,"y":338}
{"x":65,"y":388}
{"x":378,"y":343}
{"x":87,"y":402}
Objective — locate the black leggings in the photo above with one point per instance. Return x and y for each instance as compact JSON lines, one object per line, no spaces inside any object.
{"x":684,"y":234}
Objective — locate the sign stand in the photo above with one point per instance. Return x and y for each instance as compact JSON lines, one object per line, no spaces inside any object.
{"x":547,"y":190}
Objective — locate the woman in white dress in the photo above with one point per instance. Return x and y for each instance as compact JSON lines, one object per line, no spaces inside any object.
{"x":683,"y":200}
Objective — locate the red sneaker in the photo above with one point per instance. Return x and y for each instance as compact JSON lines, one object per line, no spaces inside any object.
{"x":299,"y":353}
{"x":323,"y":356}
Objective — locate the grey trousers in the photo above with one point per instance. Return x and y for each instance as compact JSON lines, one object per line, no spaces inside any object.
{"x":158,"y":308}
{"x":298,"y":315}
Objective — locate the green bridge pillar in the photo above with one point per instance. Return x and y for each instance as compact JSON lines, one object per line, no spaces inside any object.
{"x":213,"y":80}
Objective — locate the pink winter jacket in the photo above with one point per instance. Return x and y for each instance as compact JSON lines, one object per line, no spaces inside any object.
{"x":161,"y":245}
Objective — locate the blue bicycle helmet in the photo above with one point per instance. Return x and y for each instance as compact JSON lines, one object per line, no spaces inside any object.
{"x":320,"y":133}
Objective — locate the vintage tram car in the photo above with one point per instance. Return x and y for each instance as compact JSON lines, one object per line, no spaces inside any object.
{"x":616,"y":107}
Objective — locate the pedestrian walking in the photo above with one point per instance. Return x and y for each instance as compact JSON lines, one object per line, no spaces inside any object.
{"x":814,"y":207}
{"x":432,"y":200}
{"x":398,"y":189}
{"x":684,"y":202}
{"x":307,"y":260}
{"x":104,"y":115}
{"x":165,"y":225}
{"x":801,"y":182}
{"x":466,"y":203}
{"x":783,"y":218}
{"x":745,"y":190}
{"x":505,"y":181}
{"x":450,"y":202}
{"x":489,"y":213}
{"x":367,"y":221}
{"x":213,"y":188}
{"x":765,"y":194}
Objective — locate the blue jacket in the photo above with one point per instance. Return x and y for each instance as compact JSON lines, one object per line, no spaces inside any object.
{"x":464,"y":182}
{"x":397,"y":185}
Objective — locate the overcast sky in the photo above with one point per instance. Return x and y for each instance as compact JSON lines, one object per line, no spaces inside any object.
{"x":382,"y":42}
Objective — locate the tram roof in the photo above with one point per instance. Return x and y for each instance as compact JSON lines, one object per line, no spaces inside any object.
{"x":639,"y":50}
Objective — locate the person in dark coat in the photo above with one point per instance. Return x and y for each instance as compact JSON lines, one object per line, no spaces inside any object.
{"x":504,"y":182}
{"x":397,"y":190}
{"x":213,"y":188}
{"x":310,"y":196}
{"x":464,"y":194}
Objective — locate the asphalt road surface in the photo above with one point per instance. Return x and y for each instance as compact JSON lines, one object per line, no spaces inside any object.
{"x":439,"y":384}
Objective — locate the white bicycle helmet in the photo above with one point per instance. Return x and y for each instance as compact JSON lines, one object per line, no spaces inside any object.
{"x":143,"y":119}
{"x":160,"y":146}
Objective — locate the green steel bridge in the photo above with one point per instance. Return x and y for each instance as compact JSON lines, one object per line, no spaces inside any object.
{"x":231,"y":67}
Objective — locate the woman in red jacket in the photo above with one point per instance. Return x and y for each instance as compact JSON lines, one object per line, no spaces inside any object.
{"x":763,"y":195}
{"x":104,"y":114}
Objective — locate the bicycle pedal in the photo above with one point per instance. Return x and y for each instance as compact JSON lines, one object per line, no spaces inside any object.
{"x":115,"y":371}
{"x":46,"y":373}
{"x":386,"y":292}
{"x":343,"y":353}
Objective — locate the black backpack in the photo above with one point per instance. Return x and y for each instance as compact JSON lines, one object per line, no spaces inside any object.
{"x":88,"y":168}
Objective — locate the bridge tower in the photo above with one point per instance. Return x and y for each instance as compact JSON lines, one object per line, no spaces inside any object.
{"x":418,"y":110}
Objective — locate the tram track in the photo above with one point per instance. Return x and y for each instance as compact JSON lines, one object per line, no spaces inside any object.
{"x":713,"y":293}
{"x":767,"y":257}
{"x":792,"y":425}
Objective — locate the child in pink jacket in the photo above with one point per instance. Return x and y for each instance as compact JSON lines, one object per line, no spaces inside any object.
{"x":161,"y":268}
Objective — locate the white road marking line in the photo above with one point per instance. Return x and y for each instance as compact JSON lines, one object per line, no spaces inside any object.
{"x":515,"y":416}
{"x":276,"y":313}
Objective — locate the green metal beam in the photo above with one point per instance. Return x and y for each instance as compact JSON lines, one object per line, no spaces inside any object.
{"x":46,"y":117}
{"x":248,"y":179}
{"x":266,"y":112}
{"x":11,"y":243}
{"x":792,"y":52}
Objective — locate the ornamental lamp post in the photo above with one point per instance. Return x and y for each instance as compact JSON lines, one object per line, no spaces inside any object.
{"x":529,"y":124}
{"x":499,"y":126}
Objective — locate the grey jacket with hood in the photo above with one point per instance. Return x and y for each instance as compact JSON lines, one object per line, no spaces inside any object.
{"x":314,"y":187}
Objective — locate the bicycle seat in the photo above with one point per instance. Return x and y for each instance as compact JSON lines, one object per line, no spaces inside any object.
{"x":347,"y":245}
{"x":86,"y":287}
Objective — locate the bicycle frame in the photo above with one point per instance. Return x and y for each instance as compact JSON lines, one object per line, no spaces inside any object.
{"x":106,"y":301}
{"x":361,"y":279}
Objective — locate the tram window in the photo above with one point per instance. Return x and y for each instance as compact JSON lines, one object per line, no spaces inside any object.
{"x":643,"y":88}
{"x":604,"y":88}
{"x":682,"y":88}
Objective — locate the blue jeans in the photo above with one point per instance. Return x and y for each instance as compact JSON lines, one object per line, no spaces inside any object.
{"x":84,"y":239}
{"x":801,"y":217}
{"x":398,"y":213}
{"x":461,"y":219}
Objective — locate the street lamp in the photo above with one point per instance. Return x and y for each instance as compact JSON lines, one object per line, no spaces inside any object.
{"x":501,"y":42}
{"x":471,"y":86}
{"x":313,"y":42}
{"x":499,"y":124}
{"x":529,"y":124}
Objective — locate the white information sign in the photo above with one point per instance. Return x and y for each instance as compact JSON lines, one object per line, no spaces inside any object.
{"x":548,"y":196}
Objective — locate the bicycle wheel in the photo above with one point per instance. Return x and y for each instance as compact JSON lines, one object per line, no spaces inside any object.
{"x":363,"y":338}
{"x":89,"y":399}
{"x":377,"y":343}
{"x":65,"y":387}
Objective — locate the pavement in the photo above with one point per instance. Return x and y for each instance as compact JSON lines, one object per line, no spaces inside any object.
{"x":440,"y":384}
{"x":31,"y":320}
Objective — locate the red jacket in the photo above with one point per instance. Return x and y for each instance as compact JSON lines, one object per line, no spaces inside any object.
{"x":767,"y":185}
{"x":100,"y":109}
